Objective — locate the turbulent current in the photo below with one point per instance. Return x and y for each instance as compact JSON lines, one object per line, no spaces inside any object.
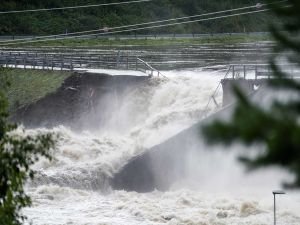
{"x":74,"y":189}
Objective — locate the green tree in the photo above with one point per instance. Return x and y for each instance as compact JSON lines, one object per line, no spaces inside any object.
{"x":18,"y":151}
{"x":56,"y":22}
{"x":278,"y":127}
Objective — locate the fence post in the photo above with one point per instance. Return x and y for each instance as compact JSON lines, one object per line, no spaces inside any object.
{"x":244,"y":72}
{"x":118,"y":59}
{"x":27,"y":58}
{"x":62,"y":63}
{"x":233,"y":72}
{"x":255,"y":72}
{"x":44,"y":62}
{"x":136,"y":63}
{"x":34,"y":62}
{"x":24,"y":61}
{"x":127,"y":60}
{"x":15,"y":61}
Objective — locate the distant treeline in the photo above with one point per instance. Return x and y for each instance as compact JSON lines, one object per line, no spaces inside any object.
{"x":56,"y":22}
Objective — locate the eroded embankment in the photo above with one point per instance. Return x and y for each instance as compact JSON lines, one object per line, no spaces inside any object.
{"x":76,"y":99}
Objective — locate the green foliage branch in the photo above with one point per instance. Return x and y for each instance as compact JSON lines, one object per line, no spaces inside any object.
{"x":18,"y":152}
{"x":57,"y":22}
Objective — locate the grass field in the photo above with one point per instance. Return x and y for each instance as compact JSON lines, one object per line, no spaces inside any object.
{"x":100,"y":42}
{"x":28,"y":86}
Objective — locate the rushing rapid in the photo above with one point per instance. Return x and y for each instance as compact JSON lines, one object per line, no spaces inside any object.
{"x":74,"y":187}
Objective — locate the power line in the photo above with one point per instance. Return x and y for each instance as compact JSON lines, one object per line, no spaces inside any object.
{"x":134,"y":25}
{"x":145,"y":28}
{"x":140,"y":24}
{"x":74,"y":7}
{"x":170,"y":24}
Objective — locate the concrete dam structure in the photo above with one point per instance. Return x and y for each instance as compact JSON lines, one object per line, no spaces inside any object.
{"x":248,"y":87}
{"x":160,"y":166}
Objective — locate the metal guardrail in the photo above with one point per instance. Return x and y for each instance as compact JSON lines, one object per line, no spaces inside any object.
{"x":51,"y":61}
{"x":150,"y":68}
{"x":213,"y":96}
{"x":258,"y":71}
{"x":66,"y":61}
{"x":261,"y":70}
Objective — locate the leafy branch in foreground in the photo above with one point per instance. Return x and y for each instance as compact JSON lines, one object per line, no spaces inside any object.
{"x":278,"y":127}
{"x":18,"y":151}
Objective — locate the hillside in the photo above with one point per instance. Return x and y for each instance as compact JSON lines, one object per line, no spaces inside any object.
{"x":72,"y":20}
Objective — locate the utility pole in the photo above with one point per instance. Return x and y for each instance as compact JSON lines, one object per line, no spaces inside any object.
{"x":274,"y":194}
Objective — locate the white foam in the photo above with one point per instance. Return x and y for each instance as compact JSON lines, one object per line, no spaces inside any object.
{"x":113,"y":72}
{"x":149,"y":115}
{"x":69,"y":206}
